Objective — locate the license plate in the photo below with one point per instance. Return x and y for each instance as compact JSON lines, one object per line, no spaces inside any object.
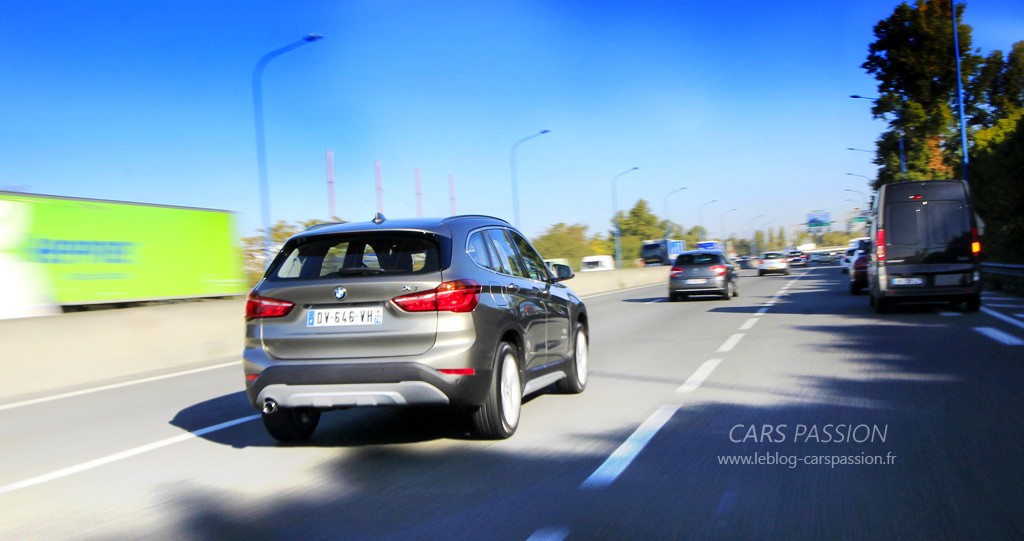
{"x":697,"y":281}
{"x":335,"y":317}
{"x":907,"y":281}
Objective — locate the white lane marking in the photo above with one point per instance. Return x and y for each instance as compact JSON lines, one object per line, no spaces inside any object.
{"x":995,"y":305}
{"x":1003,"y":317}
{"x":761,"y":312}
{"x":113,"y":386}
{"x":730,"y":343}
{"x":699,"y":376}
{"x":945,"y":313}
{"x":747,"y":325}
{"x":624,"y":455}
{"x":999,"y":336}
{"x":654,"y":301}
{"x":549,"y":534}
{"x":1021,"y":316}
{"x":122,"y":455}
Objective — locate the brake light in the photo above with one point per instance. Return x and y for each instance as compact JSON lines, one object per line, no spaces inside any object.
{"x":719,"y":270}
{"x":975,"y":242}
{"x":760,"y":262}
{"x":257,"y":307}
{"x":880,"y":245}
{"x":676,"y":271}
{"x":451,"y":296}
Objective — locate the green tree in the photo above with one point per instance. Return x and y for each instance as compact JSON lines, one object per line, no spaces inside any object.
{"x":637,"y":225}
{"x":564,"y":241}
{"x":911,"y":60}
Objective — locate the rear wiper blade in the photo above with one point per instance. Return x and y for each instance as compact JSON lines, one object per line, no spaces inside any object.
{"x":359,"y":272}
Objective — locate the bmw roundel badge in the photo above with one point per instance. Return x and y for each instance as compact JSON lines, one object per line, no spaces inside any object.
{"x":340,"y":293}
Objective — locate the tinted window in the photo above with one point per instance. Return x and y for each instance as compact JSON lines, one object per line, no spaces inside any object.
{"x":698,"y":259}
{"x":535,"y":267}
{"x":902,"y":224}
{"x":507,"y":254}
{"x":477,"y":248}
{"x":352,"y":255}
{"x":947,"y":222}
{"x":772,"y":255}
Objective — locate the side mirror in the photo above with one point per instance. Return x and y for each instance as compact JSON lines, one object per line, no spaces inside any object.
{"x":562,"y":272}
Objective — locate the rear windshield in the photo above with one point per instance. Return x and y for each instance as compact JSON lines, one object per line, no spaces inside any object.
{"x":698,"y":259}
{"x":772,"y":255}
{"x":358,"y":254}
{"x":943,"y":222}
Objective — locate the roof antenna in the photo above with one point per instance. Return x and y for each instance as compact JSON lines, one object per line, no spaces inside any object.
{"x":379,"y":218}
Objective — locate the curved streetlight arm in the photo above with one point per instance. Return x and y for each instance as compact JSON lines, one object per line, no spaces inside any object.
{"x":700,"y":219}
{"x":666,"y":208}
{"x":615,"y":215}
{"x":261,"y":145}
{"x":515,"y":181}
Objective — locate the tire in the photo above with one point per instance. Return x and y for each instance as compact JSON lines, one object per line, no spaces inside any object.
{"x":727,"y":292}
{"x":579,"y":367}
{"x":760,"y":272}
{"x":291,"y":424}
{"x":672,"y":297}
{"x":973,"y":303}
{"x":498,"y":417}
{"x":855,"y":289}
{"x":735,"y":289}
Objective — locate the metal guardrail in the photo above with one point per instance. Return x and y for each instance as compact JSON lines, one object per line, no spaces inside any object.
{"x":1003,"y":269}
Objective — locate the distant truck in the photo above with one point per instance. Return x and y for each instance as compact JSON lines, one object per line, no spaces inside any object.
{"x":63,"y":251}
{"x":661,"y":251}
{"x":711,"y":245}
{"x":593,"y":263}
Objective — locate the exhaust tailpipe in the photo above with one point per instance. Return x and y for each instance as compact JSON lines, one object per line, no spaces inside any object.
{"x":269,"y":406}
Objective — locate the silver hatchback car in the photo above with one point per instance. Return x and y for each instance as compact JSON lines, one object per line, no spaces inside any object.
{"x":460,"y":311}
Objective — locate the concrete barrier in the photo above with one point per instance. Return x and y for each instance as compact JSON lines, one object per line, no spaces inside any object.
{"x":66,"y":352}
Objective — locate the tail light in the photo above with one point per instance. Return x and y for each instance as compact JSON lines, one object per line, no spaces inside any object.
{"x":760,"y":262}
{"x":676,"y":271}
{"x":719,"y":270}
{"x":880,"y":245}
{"x":257,"y":307}
{"x":451,"y":296}
{"x":975,"y":242}
{"x":861,"y":263}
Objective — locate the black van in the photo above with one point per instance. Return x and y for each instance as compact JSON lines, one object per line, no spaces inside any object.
{"x":926,"y":248}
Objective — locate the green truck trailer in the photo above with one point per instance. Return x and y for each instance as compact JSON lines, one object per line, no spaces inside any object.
{"x":62,"y":251}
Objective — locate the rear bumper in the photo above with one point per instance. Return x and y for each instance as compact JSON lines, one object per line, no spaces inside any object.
{"x":327,"y":385}
{"x":713,"y":285}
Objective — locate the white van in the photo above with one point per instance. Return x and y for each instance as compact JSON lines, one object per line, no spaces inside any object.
{"x":592,"y":263}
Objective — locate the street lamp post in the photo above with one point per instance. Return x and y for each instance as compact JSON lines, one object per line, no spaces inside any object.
{"x":903,"y":159}
{"x":721,"y":221}
{"x":666,"y":208}
{"x":615,"y":213}
{"x":960,"y":95}
{"x":753,"y":234}
{"x":261,"y":144}
{"x":512,"y":166}
{"x":867,"y":178}
{"x":700,"y":219}
{"x":863,"y":199}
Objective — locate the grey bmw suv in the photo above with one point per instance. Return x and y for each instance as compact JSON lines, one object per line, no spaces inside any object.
{"x":459,"y":311}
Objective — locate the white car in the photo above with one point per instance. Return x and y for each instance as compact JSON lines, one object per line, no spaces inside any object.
{"x":772,"y":262}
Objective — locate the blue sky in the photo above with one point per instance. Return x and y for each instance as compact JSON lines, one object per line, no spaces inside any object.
{"x":745,"y":103}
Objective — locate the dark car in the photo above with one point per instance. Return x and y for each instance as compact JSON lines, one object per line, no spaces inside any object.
{"x":702,"y":272}
{"x":797,"y":258}
{"x":926,"y":245}
{"x":460,"y":311}
{"x":859,"y":273}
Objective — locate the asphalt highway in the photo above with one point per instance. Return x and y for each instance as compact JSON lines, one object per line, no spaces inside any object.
{"x":790,"y":412}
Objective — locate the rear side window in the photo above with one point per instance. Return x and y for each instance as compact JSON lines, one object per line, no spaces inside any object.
{"x":356,"y":255}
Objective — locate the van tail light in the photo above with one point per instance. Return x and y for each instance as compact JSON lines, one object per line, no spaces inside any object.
{"x":676,"y":271}
{"x":975,"y":242}
{"x":719,"y":270}
{"x":880,"y":245}
{"x":257,"y":307}
{"x":450,"y":296}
